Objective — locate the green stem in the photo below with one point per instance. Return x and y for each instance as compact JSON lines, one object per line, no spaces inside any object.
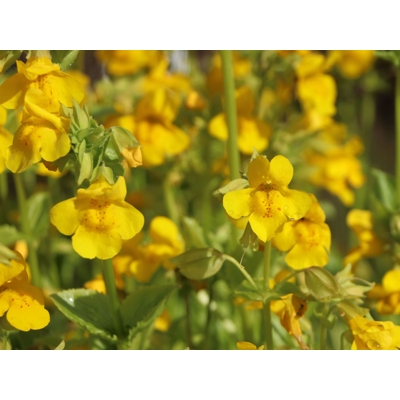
{"x":230,"y":106}
{"x":267,"y":304}
{"x":32,"y":246}
{"x":242,"y":270}
{"x":209,"y":315}
{"x":189,"y":342}
{"x":323,"y":327}
{"x":53,"y":190}
{"x":170,"y":201}
{"x":109,"y":279}
{"x":3,"y":186}
{"x":397,"y":105}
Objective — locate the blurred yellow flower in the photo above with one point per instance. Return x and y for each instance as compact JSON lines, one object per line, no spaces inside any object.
{"x":40,"y":73}
{"x":374,"y":335}
{"x":248,"y":346}
{"x":127,"y":62}
{"x":143,"y":260}
{"x":353,"y":63}
{"x":316,"y":90}
{"x":154,"y":129}
{"x":388,"y":293}
{"x":42,"y":170}
{"x":336,"y":167}
{"x":268,"y":202}
{"x":23,"y":303}
{"x":195,"y":101}
{"x":253,"y":133}
{"x":99,"y":219}
{"x":241,"y":68}
{"x":163,"y":322}
{"x":6,"y":139}
{"x":361,"y":223}
{"x":307,"y":240}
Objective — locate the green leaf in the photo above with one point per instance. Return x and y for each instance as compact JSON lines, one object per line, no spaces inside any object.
{"x":64,"y":57}
{"x":8,"y":58}
{"x":141,"y":307}
{"x":193,"y":233}
{"x":384,"y":188}
{"x":38,"y":213}
{"x":9,"y":235}
{"x":236,"y":184}
{"x":89,"y":309}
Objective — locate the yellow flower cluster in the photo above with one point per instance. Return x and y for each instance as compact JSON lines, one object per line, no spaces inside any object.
{"x":40,"y":87}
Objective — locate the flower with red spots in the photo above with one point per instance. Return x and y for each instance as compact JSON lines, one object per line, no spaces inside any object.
{"x":268,"y":202}
{"x":99,"y":219}
{"x":21,"y":303}
{"x":307,"y":240}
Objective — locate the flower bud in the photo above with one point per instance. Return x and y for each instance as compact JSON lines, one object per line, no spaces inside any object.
{"x":321,"y":284}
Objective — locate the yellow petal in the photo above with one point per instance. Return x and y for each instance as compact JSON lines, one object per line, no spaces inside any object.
{"x":90,"y":243}
{"x":252,"y":134}
{"x":128,"y":220}
{"x":12,"y":91}
{"x":65,"y":88}
{"x":69,"y":225}
{"x":281,"y":171}
{"x":218,"y":127}
{"x":285,"y":239}
{"x":246,"y":346}
{"x":237,"y":204}
{"x":8,"y":272}
{"x":391,"y":281}
{"x":258,"y":171}
{"x":301,"y":256}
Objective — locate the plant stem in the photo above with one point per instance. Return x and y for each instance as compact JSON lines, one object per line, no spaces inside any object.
{"x":242,"y":270}
{"x":323,"y":328}
{"x":209,"y":314}
{"x":267,"y":305}
{"x":397,"y":108}
{"x":3,"y":186}
{"x":109,"y":279}
{"x":230,"y":106}
{"x":189,"y":342}
{"x":32,"y":247}
{"x":170,"y":201}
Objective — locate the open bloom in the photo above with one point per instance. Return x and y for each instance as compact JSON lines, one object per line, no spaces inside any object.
{"x":353,"y":63}
{"x":268,"y":202}
{"x":23,"y":303}
{"x":42,"y":74}
{"x":361,"y":223}
{"x":307,"y":240}
{"x":253,"y":133}
{"x":143,"y":260}
{"x":388,"y":293}
{"x":374,"y":335}
{"x":99,"y":219}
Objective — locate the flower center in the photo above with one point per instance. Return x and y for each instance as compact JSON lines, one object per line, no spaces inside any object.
{"x":100,"y":216}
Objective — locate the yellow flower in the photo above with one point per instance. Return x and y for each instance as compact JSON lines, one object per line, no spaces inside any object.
{"x":99,"y":219}
{"x":353,"y":63}
{"x":195,"y":101}
{"x":23,"y":303}
{"x":159,"y":77}
{"x":154,"y":129}
{"x":268,"y":202}
{"x":42,"y":74}
{"x":252,"y":132}
{"x":307,"y":240}
{"x":248,"y":346}
{"x":127,"y":62}
{"x":388,"y":293}
{"x":361,"y":223}
{"x":241,"y":68}
{"x":142,"y":261}
{"x":163,"y":322}
{"x":97,"y":283}
{"x":316,"y":90}
{"x":374,"y":335}
{"x":5,"y":139}
{"x":42,"y":170}
{"x":337,"y":167}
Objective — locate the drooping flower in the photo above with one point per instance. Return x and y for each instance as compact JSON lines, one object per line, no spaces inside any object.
{"x":143,"y":260}
{"x":268,"y":202}
{"x":20,"y":302}
{"x":127,"y":62}
{"x":253,"y":133}
{"x":98,"y":218}
{"x":353,"y":63}
{"x":374,"y":335}
{"x":307,"y":240}
{"x":40,"y":73}
{"x":361,"y":223}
